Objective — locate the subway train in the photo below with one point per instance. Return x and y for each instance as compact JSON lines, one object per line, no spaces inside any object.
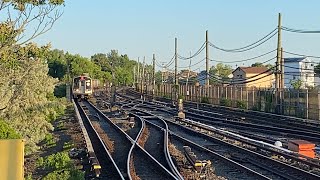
{"x":82,"y":87}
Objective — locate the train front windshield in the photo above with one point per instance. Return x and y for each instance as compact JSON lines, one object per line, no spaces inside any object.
{"x":81,"y":82}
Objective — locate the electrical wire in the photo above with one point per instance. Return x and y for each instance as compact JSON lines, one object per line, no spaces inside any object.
{"x":244,"y":60}
{"x":193,"y":64}
{"x":296,"y":54}
{"x":251,"y":46}
{"x":195,"y":54}
{"x":299,"y":30}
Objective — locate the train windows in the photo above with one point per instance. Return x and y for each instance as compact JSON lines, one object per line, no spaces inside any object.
{"x":82,"y":83}
{"x":76,"y":83}
{"x":88,"y":85}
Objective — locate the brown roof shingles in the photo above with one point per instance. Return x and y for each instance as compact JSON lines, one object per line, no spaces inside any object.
{"x":254,"y":70}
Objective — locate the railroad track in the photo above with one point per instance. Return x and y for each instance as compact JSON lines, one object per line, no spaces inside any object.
{"x":109,"y":169}
{"x":250,"y":116}
{"x":294,"y":157}
{"x":272,"y":163}
{"x":133,"y":161}
{"x":157,"y":123}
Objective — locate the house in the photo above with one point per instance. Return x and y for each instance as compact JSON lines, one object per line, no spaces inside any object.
{"x":299,"y":69}
{"x":214,"y":79}
{"x":202,"y":77}
{"x":253,"y":77}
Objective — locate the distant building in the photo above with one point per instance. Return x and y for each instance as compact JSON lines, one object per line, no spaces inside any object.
{"x":202,"y":77}
{"x":299,"y":69}
{"x":253,"y":77}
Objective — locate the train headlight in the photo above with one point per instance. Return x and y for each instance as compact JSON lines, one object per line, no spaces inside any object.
{"x":88,"y":84}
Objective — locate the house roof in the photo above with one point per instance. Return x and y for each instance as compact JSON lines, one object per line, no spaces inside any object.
{"x":253,"y":70}
{"x":299,"y":59}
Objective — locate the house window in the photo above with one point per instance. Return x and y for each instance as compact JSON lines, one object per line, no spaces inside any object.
{"x":293,"y":77}
{"x":240,"y":76}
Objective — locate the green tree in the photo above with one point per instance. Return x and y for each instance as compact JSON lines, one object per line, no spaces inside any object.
{"x":296,"y":84}
{"x":17,"y":15}
{"x":259,"y":64}
{"x":220,"y":71}
{"x":57,"y":64}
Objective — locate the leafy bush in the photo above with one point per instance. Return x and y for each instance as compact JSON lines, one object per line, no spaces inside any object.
{"x":6,"y":132}
{"x":225,"y":102}
{"x":67,"y":145}
{"x":60,"y":91}
{"x":56,"y":161}
{"x":180,"y":96}
{"x":49,"y":140}
{"x":241,"y":104}
{"x":71,"y":174}
{"x":205,"y":100}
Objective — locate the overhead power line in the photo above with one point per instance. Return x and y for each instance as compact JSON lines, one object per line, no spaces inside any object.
{"x":302,"y":55}
{"x":195,"y":54}
{"x":244,"y":60}
{"x":300,"y":30}
{"x":193,"y":64}
{"x":250,"y":46}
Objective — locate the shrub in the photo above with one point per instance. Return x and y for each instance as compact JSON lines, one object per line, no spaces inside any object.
{"x":225,"y":102}
{"x":60,"y":90}
{"x":241,"y":104}
{"x":205,"y":100}
{"x":180,"y":96}
{"x":56,"y":161}
{"x":6,"y":132}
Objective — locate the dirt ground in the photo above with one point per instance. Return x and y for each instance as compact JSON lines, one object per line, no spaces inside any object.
{"x":70,"y":132}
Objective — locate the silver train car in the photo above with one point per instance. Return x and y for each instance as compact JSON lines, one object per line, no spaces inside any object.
{"x":82,"y":87}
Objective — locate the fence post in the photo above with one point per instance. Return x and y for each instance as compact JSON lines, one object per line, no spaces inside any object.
{"x":307,"y":104}
{"x":247,"y":98}
{"x":241,"y":93}
{"x":253,"y":91}
{"x":218,"y":97}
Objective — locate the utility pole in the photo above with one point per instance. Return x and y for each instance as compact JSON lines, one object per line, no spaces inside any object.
{"x":278,"y":68}
{"x":134,"y":75}
{"x":207,"y":60}
{"x":138,"y":74}
{"x":143,"y":77}
{"x":153,"y":74}
{"x":176,"y":61}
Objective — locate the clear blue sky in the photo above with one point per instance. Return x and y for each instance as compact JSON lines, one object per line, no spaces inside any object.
{"x":143,"y":27}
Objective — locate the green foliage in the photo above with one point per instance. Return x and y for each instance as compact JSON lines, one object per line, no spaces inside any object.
{"x":259,"y":64}
{"x":49,"y":141}
{"x":220,"y":70}
{"x":241,"y":104}
{"x":71,"y":174}
{"x":28,"y":177}
{"x":205,"y":100}
{"x":180,"y":96}
{"x":225,"y":102}
{"x":60,"y":90}
{"x":6,"y":132}
{"x":296,"y":84}
{"x":57,"y":161}
{"x":68,"y":145}
{"x":317,"y":69}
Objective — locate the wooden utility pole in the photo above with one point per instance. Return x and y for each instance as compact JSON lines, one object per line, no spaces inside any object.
{"x":134,"y":75}
{"x":279,"y":70}
{"x":138,"y":73}
{"x":278,"y":64}
{"x":207,"y":60}
{"x":153,"y":74}
{"x":176,"y":62}
{"x":143,"y":75}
